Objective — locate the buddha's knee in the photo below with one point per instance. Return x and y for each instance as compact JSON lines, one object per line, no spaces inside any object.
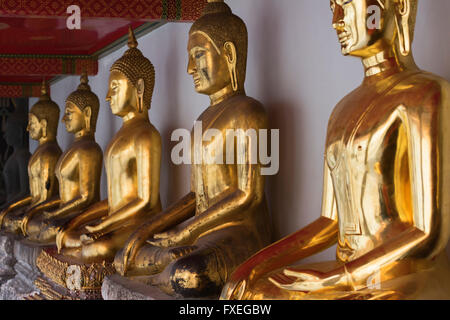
{"x":33,"y":228}
{"x":97,"y":251}
{"x":71,"y":240}
{"x":195,"y":275}
{"x":48,"y":234}
{"x":12,"y":223}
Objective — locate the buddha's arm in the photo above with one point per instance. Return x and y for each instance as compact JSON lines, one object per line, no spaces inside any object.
{"x":94,"y":212}
{"x":314,"y":238}
{"x":38,"y":209}
{"x":226,"y":211}
{"x":19,"y":204}
{"x":47,"y":176}
{"x":231,"y":208}
{"x":176,"y":213}
{"x":148,"y":164}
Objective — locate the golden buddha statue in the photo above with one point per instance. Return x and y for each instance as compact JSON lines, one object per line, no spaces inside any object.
{"x":78,"y":170}
{"x":42,"y":126}
{"x":385,"y":199}
{"x":224,"y":219}
{"x":132,"y":161}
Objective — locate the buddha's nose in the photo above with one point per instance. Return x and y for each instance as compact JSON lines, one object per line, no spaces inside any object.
{"x":338,"y":18}
{"x":191,"y":66}
{"x":339,"y":25}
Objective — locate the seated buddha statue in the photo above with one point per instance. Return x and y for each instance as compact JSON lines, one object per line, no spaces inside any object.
{"x":385,"y":200}
{"x":132,"y":161}
{"x":78,"y":170}
{"x":15,"y":170}
{"x":190,"y":248}
{"x":42,"y":126}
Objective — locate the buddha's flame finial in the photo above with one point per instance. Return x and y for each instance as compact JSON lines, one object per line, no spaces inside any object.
{"x":84,"y":77}
{"x":44,"y":87}
{"x":132,"y":43}
{"x":84,"y":81}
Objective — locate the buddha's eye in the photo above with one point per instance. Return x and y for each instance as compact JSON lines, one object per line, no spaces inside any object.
{"x":347,"y":2}
{"x":199,"y":54}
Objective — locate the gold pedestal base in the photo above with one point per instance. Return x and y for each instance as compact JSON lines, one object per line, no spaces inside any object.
{"x":67,"y":279}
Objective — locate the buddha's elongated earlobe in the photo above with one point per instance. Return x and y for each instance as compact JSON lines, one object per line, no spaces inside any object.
{"x":44,"y":128}
{"x":87,"y":118}
{"x":402,"y":12}
{"x":230,"y":50}
{"x":140,"y":92}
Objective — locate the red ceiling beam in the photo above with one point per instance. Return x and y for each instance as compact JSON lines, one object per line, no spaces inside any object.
{"x":172,"y":10}
{"x":12,"y":65}
{"x":20,"y":90}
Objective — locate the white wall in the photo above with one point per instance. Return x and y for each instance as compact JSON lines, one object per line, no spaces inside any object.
{"x":294,"y":68}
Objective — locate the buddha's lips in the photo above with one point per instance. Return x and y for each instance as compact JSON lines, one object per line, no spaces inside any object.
{"x":343,"y":37}
{"x":197,"y":81}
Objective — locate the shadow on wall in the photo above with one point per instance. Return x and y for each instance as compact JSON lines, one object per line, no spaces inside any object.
{"x":172,"y":176}
{"x":281,"y":194}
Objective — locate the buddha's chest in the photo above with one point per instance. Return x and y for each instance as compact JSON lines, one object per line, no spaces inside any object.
{"x":34,"y":167}
{"x":363,"y":144}
{"x":363,"y":126}
{"x":120,"y":156}
{"x":67,"y":167}
{"x":209,"y":137}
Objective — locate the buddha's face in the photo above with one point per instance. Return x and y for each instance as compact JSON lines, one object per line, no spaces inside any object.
{"x":122,"y":95}
{"x":207,"y":65}
{"x":35,"y":127}
{"x":353,"y":21}
{"x":73,"y":118}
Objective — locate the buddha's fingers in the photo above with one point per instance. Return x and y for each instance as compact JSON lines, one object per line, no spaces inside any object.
{"x":131,"y":249}
{"x":301,"y":275}
{"x":234,"y":290}
{"x":59,"y":240}
{"x":24,"y":223}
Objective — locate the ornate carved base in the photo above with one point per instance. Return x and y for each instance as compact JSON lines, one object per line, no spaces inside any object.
{"x":116,"y":287}
{"x":65,"y":278}
{"x":22,"y":284}
{"x":7,"y":259}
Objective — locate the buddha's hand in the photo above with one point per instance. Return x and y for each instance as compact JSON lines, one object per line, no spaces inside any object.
{"x":309,"y":280}
{"x":172,"y":238}
{"x":60,"y":239}
{"x":125,"y":257}
{"x":91,"y":237}
{"x":119,"y":261}
{"x":234,"y":290}
{"x":24,"y":223}
{"x":94,"y":228}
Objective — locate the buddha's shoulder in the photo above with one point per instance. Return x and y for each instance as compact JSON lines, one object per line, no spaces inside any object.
{"x":49,"y":151}
{"x":144,"y":133}
{"x":425,"y":82}
{"x":245,"y":103}
{"x":426,"y":90}
{"x":245,"y":107}
{"x":89,"y":148}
